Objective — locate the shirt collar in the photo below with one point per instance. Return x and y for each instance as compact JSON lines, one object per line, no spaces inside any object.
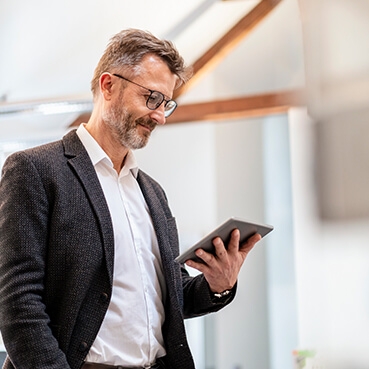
{"x":97,"y":154}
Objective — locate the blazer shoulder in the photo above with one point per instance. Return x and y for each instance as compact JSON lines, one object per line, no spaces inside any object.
{"x":69,"y":146}
{"x":34,"y":156}
{"x":47,"y":157}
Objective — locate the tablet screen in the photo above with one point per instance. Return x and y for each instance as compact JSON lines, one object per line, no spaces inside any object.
{"x":247,"y":229}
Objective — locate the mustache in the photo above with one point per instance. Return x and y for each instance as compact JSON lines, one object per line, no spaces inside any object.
{"x":149,"y":123}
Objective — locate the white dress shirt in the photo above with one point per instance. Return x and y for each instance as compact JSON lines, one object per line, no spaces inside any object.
{"x":131,"y":333}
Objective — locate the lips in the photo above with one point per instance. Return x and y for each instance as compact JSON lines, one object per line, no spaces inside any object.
{"x":145,"y":126}
{"x":149,"y":125}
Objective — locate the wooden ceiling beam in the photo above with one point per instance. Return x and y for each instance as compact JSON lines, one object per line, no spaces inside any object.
{"x":233,"y":108}
{"x":241,"y":107}
{"x":228,"y":42}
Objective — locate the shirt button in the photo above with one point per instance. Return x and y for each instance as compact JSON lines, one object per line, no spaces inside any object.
{"x":104,"y":297}
{"x":83,"y":346}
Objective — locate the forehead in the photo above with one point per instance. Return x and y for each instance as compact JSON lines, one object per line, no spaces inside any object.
{"x":155,"y":74}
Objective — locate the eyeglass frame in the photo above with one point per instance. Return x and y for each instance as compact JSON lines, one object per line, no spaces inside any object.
{"x":167,"y":101}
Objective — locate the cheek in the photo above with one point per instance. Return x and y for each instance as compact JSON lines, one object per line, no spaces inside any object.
{"x":133,"y":105}
{"x":137,"y":105}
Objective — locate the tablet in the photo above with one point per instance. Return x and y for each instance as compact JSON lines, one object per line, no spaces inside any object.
{"x":246,"y":229}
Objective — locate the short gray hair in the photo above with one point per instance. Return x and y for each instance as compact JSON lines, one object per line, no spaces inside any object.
{"x":127,"y":49}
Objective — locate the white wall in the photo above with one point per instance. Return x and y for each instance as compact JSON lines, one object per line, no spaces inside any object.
{"x":210,"y":172}
{"x":259,"y":330}
{"x":181,"y":158}
{"x":241,"y":330}
{"x":280,"y":252}
{"x":332,"y":265}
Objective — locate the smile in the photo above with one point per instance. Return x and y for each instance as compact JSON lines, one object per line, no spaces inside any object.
{"x":149,"y":128}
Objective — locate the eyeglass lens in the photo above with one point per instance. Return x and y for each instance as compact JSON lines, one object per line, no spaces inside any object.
{"x":156,"y":98}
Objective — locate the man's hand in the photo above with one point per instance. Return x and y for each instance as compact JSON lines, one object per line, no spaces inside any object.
{"x":221,"y":270}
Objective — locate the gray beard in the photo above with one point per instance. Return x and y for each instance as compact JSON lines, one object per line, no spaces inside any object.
{"x":124,"y":128}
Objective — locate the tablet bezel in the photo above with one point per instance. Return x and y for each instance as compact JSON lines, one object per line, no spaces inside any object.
{"x":246,"y":228}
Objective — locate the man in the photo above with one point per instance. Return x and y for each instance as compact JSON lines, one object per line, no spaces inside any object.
{"x":87,"y":240}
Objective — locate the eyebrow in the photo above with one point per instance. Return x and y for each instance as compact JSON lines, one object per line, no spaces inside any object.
{"x":146,"y":88}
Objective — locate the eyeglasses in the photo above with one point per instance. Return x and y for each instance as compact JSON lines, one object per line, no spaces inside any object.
{"x":155,"y":99}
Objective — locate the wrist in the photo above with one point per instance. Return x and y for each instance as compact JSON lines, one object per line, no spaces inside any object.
{"x":222,"y":294}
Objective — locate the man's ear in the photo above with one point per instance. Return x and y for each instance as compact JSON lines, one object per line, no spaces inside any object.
{"x":106,"y":84}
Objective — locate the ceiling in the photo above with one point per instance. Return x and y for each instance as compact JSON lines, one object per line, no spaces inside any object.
{"x":50,"y":49}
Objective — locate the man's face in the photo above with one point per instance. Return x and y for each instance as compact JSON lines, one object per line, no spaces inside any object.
{"x":124,"y":126}
{"x":127,"y":116}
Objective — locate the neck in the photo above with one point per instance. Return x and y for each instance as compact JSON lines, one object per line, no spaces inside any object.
{"x":116,"y":152}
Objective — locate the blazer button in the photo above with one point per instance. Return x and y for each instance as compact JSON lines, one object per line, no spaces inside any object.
{"x":104,"y":297}
{"x":83,"y":346}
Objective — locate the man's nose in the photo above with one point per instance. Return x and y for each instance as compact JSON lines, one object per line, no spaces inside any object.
{"x":158,"y":115}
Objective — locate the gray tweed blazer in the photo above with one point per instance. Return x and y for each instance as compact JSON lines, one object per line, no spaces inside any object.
{"x":56,"y":260}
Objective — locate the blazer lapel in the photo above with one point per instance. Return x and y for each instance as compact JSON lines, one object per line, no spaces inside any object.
{"x":166,"y":231}
{"x":157,"y":213}
{"x":82,"y":165}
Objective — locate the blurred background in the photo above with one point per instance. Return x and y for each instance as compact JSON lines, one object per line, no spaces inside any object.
{"x":272,"y":128}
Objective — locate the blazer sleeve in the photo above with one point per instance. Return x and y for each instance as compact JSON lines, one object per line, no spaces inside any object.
{"x":24,"y":321}
{"x":198,"y":298}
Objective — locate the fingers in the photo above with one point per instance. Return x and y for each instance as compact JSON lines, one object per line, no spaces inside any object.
{"x":246,"y":247}
{"x":200,"y":266}
{"x":251,"y":241}
{"x":234,"y":241}
{"x":209,"y":259}
{"x":222,"y":253}
{"x":221,"y":268}
{"x":220,"y":250}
